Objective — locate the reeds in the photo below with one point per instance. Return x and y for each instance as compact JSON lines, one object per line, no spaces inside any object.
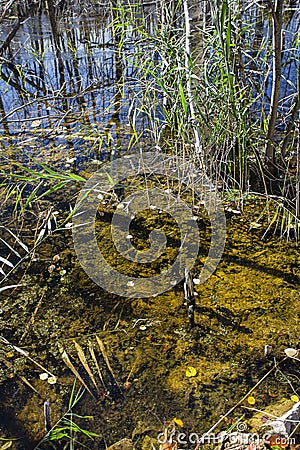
{"x":214,"y":107}
{"x":91,"y":364}
{"x":198,"y":88}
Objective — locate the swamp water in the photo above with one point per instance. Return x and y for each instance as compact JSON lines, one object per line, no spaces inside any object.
{"x":252,"y":300}
{"x":154,"y":368}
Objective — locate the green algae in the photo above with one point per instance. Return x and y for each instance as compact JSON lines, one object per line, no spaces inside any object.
{"x":251,"y":300}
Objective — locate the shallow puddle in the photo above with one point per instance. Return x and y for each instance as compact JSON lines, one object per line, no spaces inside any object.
{"x":252,"y":300}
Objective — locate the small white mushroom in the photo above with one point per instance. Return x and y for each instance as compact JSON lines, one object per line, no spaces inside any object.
{"x":291,"y":352}
{"x":43,"y":376}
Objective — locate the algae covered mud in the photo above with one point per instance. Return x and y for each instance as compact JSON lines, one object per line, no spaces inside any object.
{"x":146,"y":367}
{"x":83,"y":365}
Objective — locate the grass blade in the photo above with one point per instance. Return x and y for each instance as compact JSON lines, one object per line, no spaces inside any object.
{"x":5,"y":261}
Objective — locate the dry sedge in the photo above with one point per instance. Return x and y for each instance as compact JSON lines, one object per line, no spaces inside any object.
{"x":84,"y":362}
{"x":25,"y":381}
{"x":91,"y":349}
{"x":26,"y":354}
{"x":7,"y":444}
{"x":68,"y":363}
{"x":102,"y":348}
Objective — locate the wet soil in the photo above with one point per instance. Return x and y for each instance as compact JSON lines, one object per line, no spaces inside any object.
{"x":252,"y":300}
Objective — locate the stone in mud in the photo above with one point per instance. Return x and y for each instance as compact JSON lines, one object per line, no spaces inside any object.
{"x":284,"y":425}
{"x":123,"y":444}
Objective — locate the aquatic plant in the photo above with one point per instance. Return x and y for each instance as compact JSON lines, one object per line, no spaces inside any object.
{"x":195,"y":89}
{"x":66,"y":430}
{"x":208,"y":85}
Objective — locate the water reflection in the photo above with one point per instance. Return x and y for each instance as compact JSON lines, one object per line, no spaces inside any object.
{"x":258,"y":66}
{"x":68,"y":76}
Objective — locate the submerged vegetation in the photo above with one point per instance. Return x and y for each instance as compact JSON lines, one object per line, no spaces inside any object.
{"x":82,"y":83}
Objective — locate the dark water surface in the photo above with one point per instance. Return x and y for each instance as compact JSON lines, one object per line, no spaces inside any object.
{"x":79,"y":84}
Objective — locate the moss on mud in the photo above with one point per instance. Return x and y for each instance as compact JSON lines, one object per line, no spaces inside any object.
{"x":251,"y":300}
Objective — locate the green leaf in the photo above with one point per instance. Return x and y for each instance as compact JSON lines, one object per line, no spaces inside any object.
{"x":182,"y":97}
{"x":111,"y":181}
{"x":223,"y":15}
{"x":57,"y":186}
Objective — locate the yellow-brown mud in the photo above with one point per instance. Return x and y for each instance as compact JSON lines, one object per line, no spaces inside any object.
{"x":251,"y":300}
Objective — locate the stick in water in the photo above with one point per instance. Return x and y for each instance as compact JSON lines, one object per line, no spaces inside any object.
{"x":47,"y":416}
{"x":189,"y":296}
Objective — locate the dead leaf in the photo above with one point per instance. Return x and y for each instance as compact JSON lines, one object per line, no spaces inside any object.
{"x":69,"y":364}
